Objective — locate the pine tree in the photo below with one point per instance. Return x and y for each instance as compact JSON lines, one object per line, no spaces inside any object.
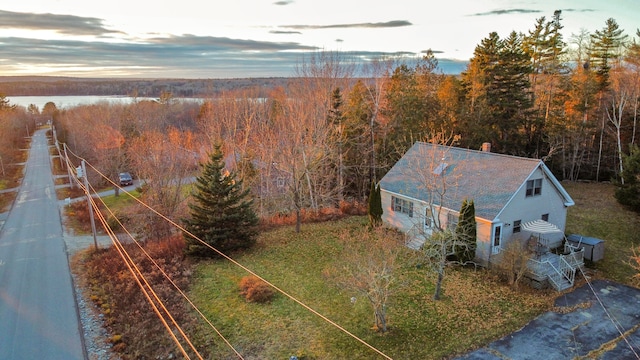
{"x":375,"y":206}
{"x":606,"y":48}
{"x":221,"y":214}
{"x":628,"y":192}
{"x":466,"y":232}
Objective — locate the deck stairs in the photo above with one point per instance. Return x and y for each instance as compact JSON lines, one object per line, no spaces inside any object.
{"x":559,"y":270}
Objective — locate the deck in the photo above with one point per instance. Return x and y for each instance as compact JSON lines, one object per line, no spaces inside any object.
{"x":558,"y":270}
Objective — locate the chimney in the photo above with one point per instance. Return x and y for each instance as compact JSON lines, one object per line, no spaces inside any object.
{"x":486,"y":147}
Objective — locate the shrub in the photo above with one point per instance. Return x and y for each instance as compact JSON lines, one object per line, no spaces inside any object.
{"x":255,"y":290}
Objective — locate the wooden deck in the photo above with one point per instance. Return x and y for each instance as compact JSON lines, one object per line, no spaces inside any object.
{"x":558,"y":270}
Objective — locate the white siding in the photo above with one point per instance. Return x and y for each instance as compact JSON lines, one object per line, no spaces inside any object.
{"x":529,"y":208}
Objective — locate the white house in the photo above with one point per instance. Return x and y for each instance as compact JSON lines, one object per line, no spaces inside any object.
{"x":426,"y":187}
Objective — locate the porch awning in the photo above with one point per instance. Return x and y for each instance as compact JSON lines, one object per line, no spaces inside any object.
{"x":541,"y":227}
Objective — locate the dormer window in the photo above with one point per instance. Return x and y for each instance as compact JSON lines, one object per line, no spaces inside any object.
{"x":534,"y":187}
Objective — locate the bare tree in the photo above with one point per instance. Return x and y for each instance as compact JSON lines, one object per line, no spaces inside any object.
{"x":435,"y":225}
{"x":164,"y":163}
{"x":511,"y":262}
{"x":371,"y":258}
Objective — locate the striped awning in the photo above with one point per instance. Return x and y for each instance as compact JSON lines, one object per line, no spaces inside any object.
{"x":540,"y":227}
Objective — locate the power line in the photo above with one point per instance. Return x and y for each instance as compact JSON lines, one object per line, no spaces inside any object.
{"x":299,"y":302}
{"x":137,"y":274}
{"x":171,"y":281}
{"x":614,"y":321}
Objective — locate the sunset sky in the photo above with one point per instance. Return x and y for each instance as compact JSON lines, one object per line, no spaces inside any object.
{"x":264,"y":38}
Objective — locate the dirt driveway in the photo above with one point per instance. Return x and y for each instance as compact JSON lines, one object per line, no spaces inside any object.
{"x":580,"y":327}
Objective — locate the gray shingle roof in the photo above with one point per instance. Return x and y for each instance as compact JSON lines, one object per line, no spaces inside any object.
{"x":489,"y":179}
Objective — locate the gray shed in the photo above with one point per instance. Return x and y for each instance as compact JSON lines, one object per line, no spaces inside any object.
{"x":593,"y":247}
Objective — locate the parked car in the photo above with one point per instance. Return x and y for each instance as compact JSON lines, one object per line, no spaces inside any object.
{"x":125,"y":179}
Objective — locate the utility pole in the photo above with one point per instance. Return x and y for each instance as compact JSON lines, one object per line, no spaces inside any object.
{"x":2,"y":165}
{"x":66,"y":159}
{"x":86,"y":190}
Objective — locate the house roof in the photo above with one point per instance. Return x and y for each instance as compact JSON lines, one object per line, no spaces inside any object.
{"x":447,"y":175}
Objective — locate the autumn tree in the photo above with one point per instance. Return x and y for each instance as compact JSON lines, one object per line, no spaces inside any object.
{"x":164,"y":163}
{"x":222,"y":215}
{"x":578,"y":97}
{"x":632,"y":58}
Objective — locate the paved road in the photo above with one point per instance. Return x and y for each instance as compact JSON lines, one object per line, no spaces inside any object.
{"x":38,"y":314}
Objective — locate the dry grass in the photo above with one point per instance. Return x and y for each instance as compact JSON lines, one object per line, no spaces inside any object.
{"x":136,"y":331}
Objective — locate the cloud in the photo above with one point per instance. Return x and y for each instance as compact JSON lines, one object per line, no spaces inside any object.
{"x":63,"y":24}
{"x":578,"y":10}
{"x":388,"y":24}
{"x":176,"y":56}
{"x":507,"y":12}
{"x":284,"y":2}
{"x":184,"y":56}
{"x":284,"y":32}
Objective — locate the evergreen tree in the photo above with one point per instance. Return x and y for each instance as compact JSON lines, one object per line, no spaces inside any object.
{"x":466,"y":232}
{"x":221,"y":214}
{"x":375,"y":206}
{"x":628,"y":193}
{"x":606,"y":47}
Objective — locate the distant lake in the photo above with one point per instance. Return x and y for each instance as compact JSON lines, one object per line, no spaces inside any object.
{"x":66,"y":102}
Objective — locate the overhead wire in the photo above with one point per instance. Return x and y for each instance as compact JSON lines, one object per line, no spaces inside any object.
{"x":614,"y":321}
{"x":182,"y":293}
{"x":286,"y":294}
{"x":138,"y":276}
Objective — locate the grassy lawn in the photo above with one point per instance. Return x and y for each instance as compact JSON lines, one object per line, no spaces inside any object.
{"x":598,"y":214}
{"x":475,"y":309}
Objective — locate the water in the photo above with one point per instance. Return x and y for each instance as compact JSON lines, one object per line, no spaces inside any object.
{"x":66,"y":102}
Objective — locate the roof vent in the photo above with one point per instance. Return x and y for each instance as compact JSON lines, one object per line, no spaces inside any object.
{"x":486,"y":147}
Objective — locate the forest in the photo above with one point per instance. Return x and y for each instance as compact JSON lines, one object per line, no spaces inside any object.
{"x":320,"y":138}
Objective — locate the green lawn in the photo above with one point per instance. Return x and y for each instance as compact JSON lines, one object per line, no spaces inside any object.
{"x":598,"y":214}
{"x":476,"y":309}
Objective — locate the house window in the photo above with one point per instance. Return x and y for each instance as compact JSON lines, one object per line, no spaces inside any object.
{"x":428,"y":218}
{"x":545,"y":217}
{"x":452,"y":221}
{"x":517,"y":226}
{"x":402,"y":206}
{"x":534,"y":187}
{"x":280,"y":182}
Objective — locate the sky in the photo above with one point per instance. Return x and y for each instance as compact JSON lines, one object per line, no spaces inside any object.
{"x":265,"y":38}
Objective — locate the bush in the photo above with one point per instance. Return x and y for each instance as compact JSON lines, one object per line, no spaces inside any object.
{"x":255,"y":290}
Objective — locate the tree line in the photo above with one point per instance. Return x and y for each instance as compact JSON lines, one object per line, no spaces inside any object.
{"x":333,"y":129}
